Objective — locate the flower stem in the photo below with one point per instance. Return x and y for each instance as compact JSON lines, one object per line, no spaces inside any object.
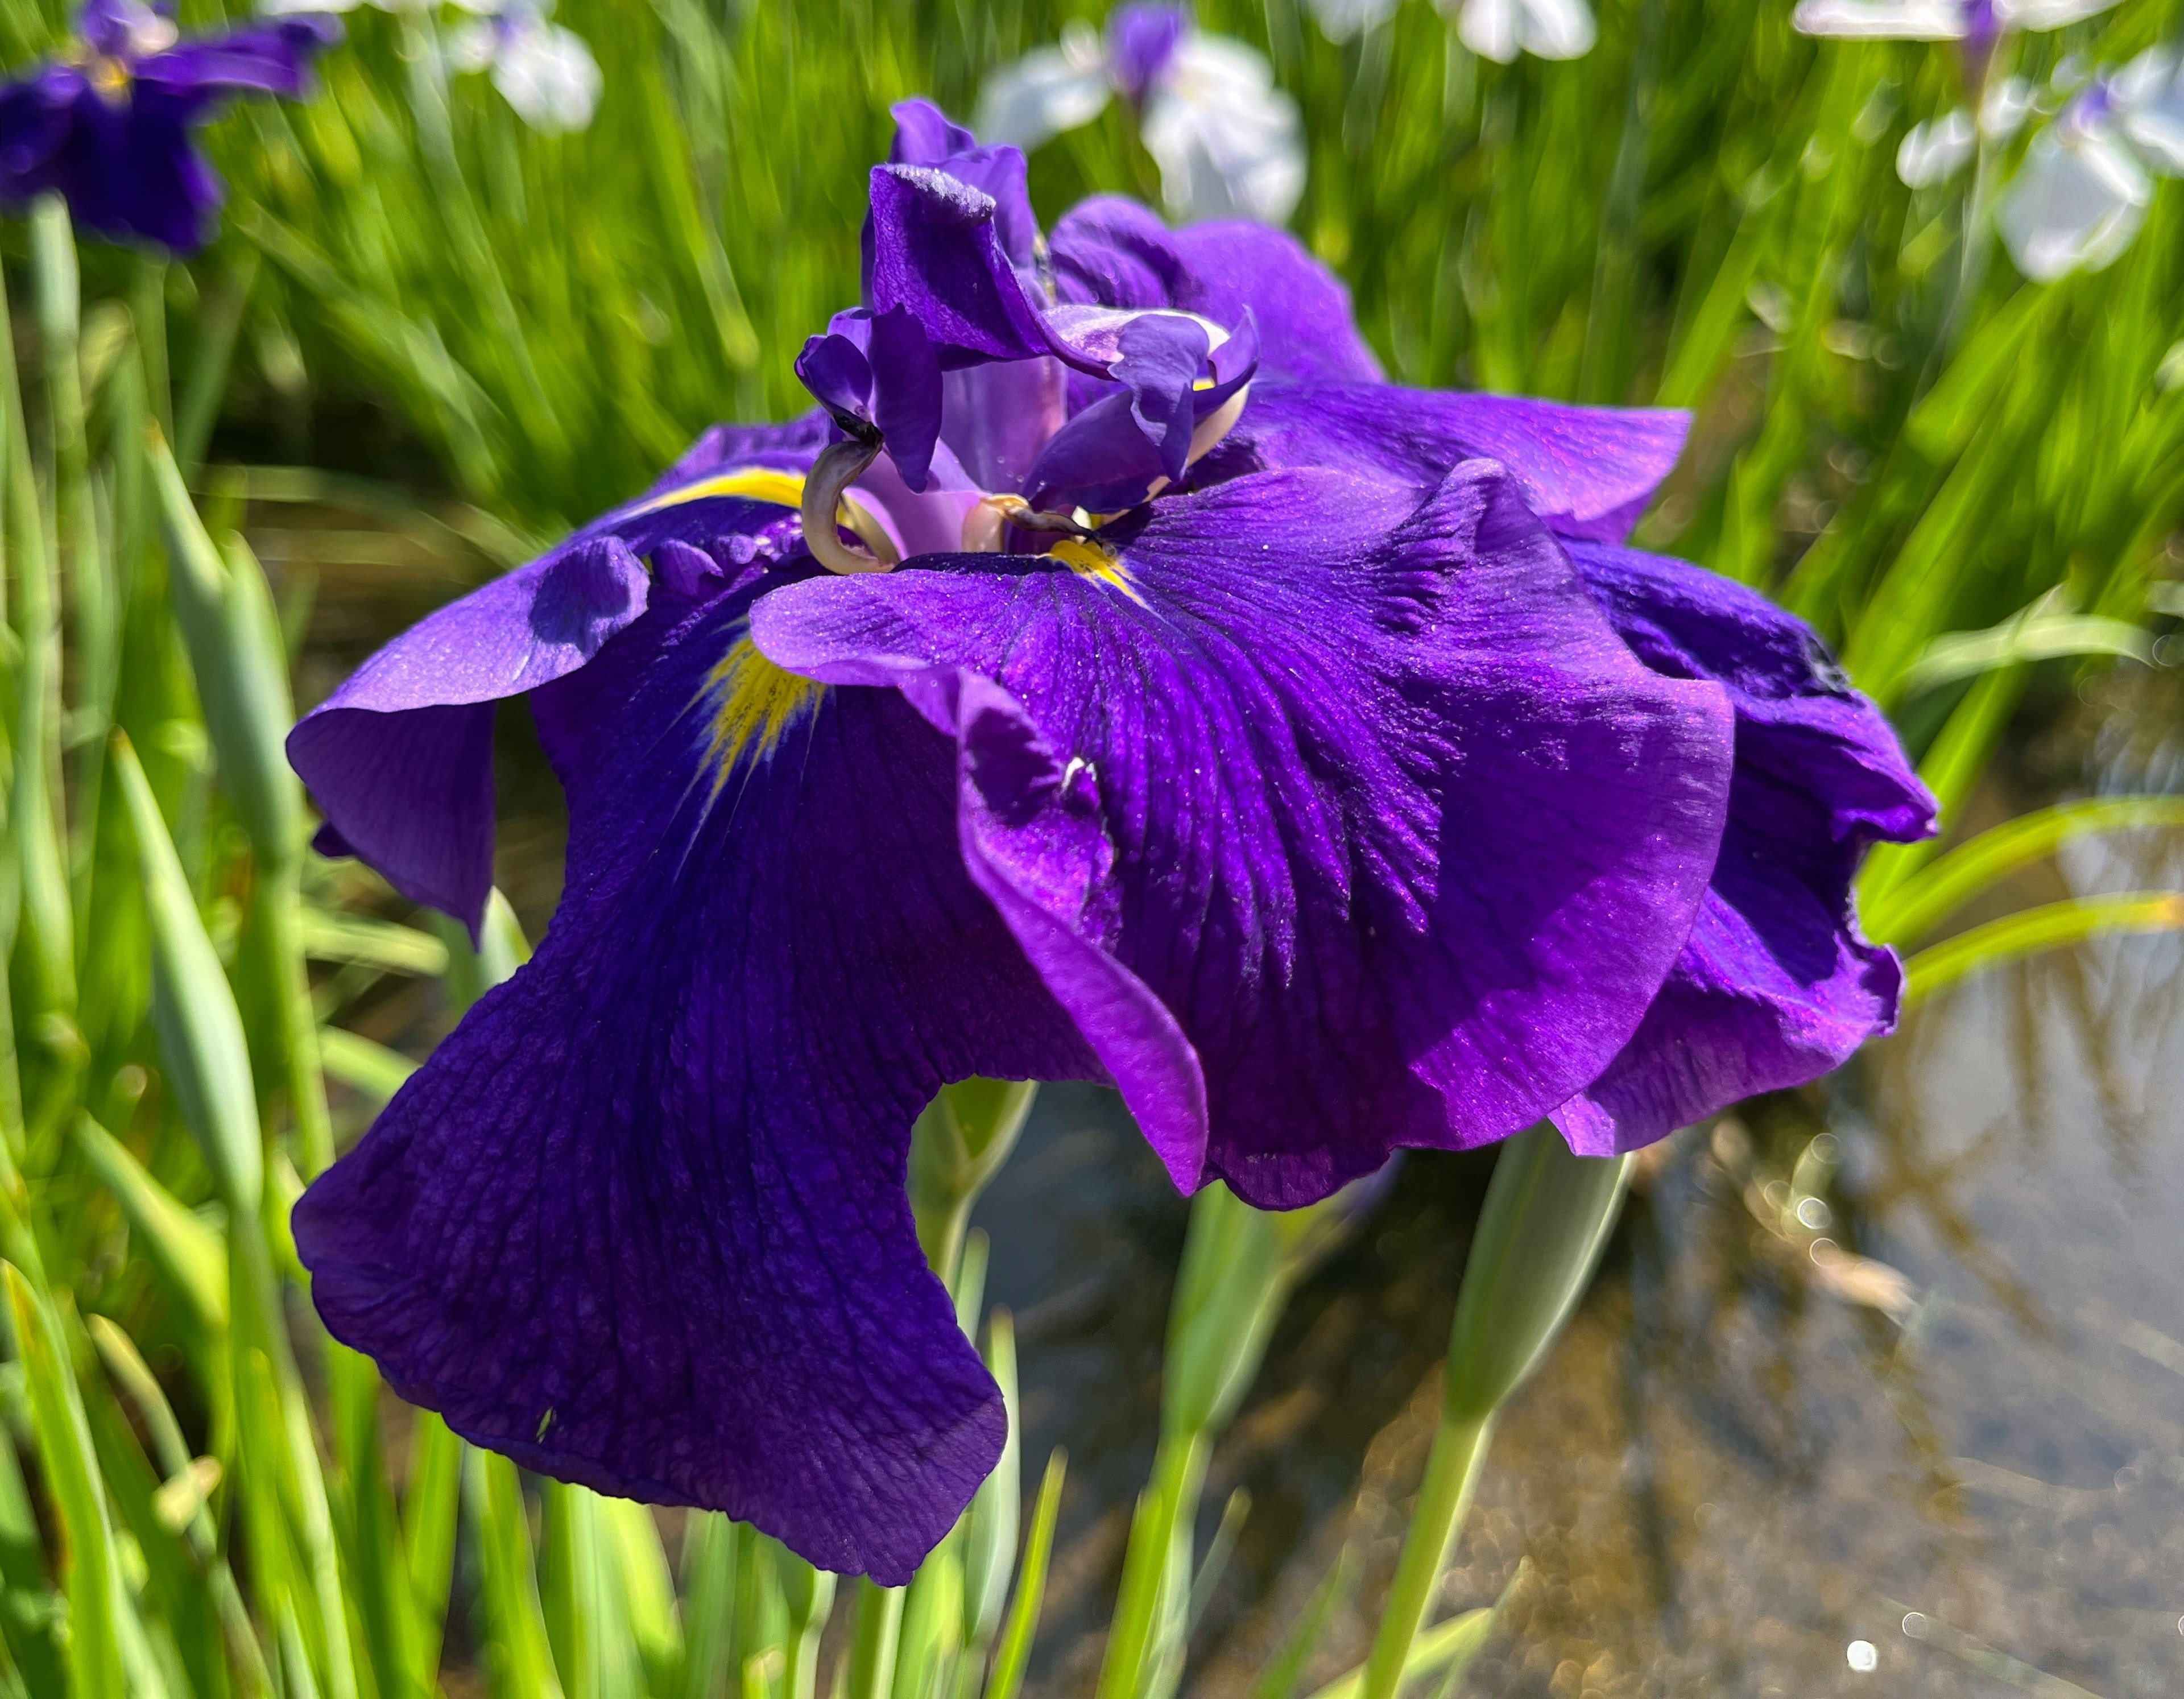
{"x":1547,"y":1217}
{"x":1459,"y":1447}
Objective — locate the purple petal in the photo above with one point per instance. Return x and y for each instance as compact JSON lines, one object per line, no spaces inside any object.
{"x":1141,"y":40}
{"x":1114,"y":253}
{"x":1397,"y":832}
{"x":640,"y":1222}
{"x":1775,"y":986}
{"x":927,"y":521}
{"x":128,"y":170}
{"x":906,"y":392}
{"x":267,"y":59}
{"x":998,"y":417}
{"x":1106,"y":458}
{"x":1160,"y":355}
{"x":836,"y":371}
{"x":791,"y":445}
{"x":932,"y":249}
{"x":924,"y":137}
{"x":400,"y":758}
{"x":1587,"y":471}
{"x":130,"y":167}
{"x":1101,"y":459}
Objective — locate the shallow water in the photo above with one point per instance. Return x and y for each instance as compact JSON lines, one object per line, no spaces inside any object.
{"x":1957,"y":1436}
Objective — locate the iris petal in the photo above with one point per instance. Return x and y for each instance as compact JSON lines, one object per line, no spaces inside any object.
{"x":1587,"y":471}
{"x":1775,"y":986}
{"x":400,"y":758}
{"x":1111,"y":252}
{"x":640,"y":1222}
{"x":1397,"y":832}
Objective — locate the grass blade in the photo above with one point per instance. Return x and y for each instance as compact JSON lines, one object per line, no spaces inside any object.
{"x":1917,"y":904}
{"x":2052,"y":926}
{"x":1013,"y":1655}
{"x":95,"y":1654}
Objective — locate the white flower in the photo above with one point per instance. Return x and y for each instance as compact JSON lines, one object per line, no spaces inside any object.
{"x":2147,"y":96}
{"x":544,"y":71}
{"x":2003,"y":112}
{"x":1935,"y":151}
{"x":1936,"y":20}
{"x":1341,"y":20}
{"x":2087,"y":180}
{"x":2076,"y":203}
{"x":1046,"y":91}
{"x":1227,"y":140}
{"x":1500,"y":30}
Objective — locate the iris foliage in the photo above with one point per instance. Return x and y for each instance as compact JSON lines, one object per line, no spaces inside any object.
{"x":1960,"y":477}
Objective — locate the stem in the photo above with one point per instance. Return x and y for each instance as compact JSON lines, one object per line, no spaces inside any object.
{"x":1459,"y":1447}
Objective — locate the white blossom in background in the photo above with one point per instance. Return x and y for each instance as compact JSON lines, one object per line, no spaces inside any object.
{"x":1936,"y":150}
{"x":1497,"y":30}
{"x":2081,"y":194}
{"x":1046,"y":91}
{"x":1227,"y":140}
{"x":1500,"y":30}
{"x":1341,"y":20}
{"x":1229,"y":144}
{"x":543,"y":69}
{"x":1977,"y":23}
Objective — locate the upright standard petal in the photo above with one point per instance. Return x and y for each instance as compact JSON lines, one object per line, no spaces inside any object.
{"x":1775,"y":986}
{"x":640,"y":1222}
{"x":1587,"y":471}
{"x":1359,"y":788}
{"x":1111,"y":252}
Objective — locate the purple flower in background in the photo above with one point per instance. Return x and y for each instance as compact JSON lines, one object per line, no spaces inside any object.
{"x":1226,"y":140}
{"x":1116,"y":679}
{"x":109,"y":126}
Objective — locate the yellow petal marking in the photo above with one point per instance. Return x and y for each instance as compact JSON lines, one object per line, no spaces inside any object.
{"x":1090,"y":558}
{"x":785,"y":489}
{"x":755,"y":702}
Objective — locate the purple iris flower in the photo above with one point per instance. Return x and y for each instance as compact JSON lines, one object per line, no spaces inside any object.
{"x":109,"y":126}
{"x":1116,"y":679}
{"x":1141,"y":42}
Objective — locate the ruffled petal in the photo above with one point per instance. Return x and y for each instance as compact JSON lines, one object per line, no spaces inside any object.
{"x":640,"y":1222}
{"x":933,"y":247}
{"x":1587,"y":471}
{"x":1114,"y":253}
{"x":1361,"y":790}
{"x":1775,"y":986}
{"x":924,"y":136}
{"x":400,"y":758}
